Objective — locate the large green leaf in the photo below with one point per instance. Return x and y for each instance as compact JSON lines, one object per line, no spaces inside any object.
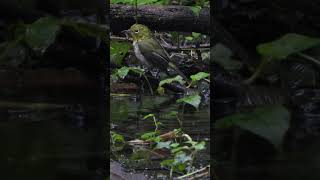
{"x":193,"y":100}
{"x":270,"y":122}
{"x":118,"y":51}
{"x":287,"y":45}
{"x":42,"y":33}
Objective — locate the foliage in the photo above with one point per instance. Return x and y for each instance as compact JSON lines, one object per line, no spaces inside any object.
{"x":281,"y":48}
{"x":178,"y":79}
{"x":193,"y":100}
{"x":287,"y":45}
{"x":40,"y":35}
{"x":270,"y":122}
{"x":199,"y":76}
{"x":117,"y":141}
{"x":118,"y":50}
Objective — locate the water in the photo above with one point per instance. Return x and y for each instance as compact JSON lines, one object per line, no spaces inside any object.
{"x":127,"y":112}
{"x":43,"y":138}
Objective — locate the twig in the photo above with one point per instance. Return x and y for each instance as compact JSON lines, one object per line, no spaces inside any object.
{"x":166,"y":45}
{"x":194,"y":172}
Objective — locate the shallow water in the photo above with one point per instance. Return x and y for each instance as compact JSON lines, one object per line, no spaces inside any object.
{"x":47,"y":138}
{"x":127,"y":112}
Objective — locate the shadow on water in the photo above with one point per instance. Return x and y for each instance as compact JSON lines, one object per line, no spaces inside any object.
{"x":127,"y":114}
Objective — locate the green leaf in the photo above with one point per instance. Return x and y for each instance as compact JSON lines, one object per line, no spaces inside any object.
{"x":195,"y":9}
{"x":167,"y":163}
{"x":148,"y":135}
{"x":200,"y":146}
{"x":287,"y":45}
{"x":193,"y":100}
{"x":123,"y":72}
{"x":181,"y":157}
{"x":117,"y":138}
{"x":118,"y":50}
{"x":269,"y":122}
{"x":196,"y":35}
{"x":199,"y":76}
{"x":174,"y":145}
{"x":42,"y":33}
{"x":178,"y":79}
{"x":161,"y":145}
{"x":189,"y":38}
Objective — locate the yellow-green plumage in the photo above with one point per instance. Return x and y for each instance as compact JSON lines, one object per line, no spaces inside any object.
{"x":149,"y":51}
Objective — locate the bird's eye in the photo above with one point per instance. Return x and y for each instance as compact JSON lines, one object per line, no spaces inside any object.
{"x":136,"y":31}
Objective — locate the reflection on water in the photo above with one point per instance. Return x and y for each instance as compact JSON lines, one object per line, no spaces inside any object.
{"x":127,"y":114}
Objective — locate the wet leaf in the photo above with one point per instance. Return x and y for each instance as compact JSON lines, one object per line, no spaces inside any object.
{"x":269,"y":122}
{"x":161,"y":145}
{"x":193,"y":100}
{"x":178,"y":79}
{"x":148,"y":135}
{"x":42,"y":33}
{"x":123,"y":72}
{"x":181,"y":157}
{"x":287,"y":45}
{"x":200,"y":146}
{"x":199,"y":76}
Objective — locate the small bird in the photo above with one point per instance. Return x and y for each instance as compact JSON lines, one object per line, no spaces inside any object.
{"x":149,"y":51}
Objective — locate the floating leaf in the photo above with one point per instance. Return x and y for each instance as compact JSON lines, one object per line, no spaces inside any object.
{"x":42,"y":33}
{"x":287,"y":45}
{"x":269,"y":122}
{"x":193,"y":100}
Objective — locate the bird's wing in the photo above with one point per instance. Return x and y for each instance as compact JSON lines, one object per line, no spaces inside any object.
{"x":154,"y":53}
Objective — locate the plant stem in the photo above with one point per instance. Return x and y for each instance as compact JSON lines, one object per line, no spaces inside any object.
{"x":258,"y":71}
{"x":307,"y":57}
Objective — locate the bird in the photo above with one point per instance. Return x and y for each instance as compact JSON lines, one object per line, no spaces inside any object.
{"x":149,"y":51}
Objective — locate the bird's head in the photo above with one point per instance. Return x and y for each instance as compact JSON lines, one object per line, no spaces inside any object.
{"x":140,"y":32}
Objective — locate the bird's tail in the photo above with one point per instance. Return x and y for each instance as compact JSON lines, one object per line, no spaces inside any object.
{"x":174,"y":67}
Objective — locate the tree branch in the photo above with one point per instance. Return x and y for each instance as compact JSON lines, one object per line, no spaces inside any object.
{"x":175,"y":18}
